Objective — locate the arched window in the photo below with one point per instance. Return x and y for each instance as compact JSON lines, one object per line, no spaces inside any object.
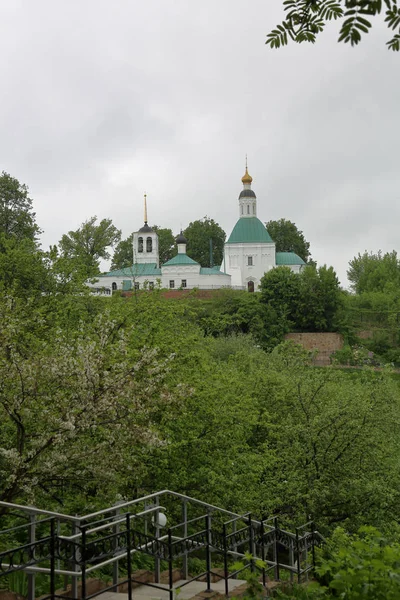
{"x":140,"y":245}
{"x":248,"y":209}
{"x":250,"y":286}
{"x":114,"y":286}
{"x":254,"y":209}
{"x":242,"y":208}
{"x":149,"y":245}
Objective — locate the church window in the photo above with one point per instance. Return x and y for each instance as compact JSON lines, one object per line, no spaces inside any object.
{"x":140,"y":244}
{"x":149,"y":245}
{"x":114,"y":286}
{"x":183,"y":284}
{"x":248,"y":209}
{"x":137,"y":285}
{"x":250,"y":286}
{"x":171,"y":284}
{"x":242,"y":208}
{"x":151,"y":285}
{"x":254,"y":209}
{"x":249,"y":261}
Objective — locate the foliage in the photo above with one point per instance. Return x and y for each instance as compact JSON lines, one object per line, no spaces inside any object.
{"x":371,"y":272}
{"x":310,"y":301}
{"x":123,"y":254}
{"x":166,"y":243}
{"x":90,"y":243}
{"x":288,"y":238}
{"x":199,"y":233}
{"x":305,"y":19}
{"x":64,"y":396}
{"x":362,"y":565}
{"x":17,"y":219}
{"x":23,"y":267}
{"x":329,"y":436}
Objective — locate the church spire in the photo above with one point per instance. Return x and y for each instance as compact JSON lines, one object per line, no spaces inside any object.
{"x":247,"y":179}
{"x":145,"y":208}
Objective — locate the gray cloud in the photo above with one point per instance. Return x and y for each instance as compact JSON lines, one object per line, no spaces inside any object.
{"x":102,"y":101}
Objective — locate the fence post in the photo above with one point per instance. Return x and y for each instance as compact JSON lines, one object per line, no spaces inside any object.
{"x":262,"y":552}
{"x":157,"y":535}
{"x":116,"y":530}
{"x":32,"y":539}
{"x":208,"y":552}
{"x":52,"y":559}
{"x":298,"y":556}
{"x":75,"y":566}
{"x":128,"y":555}
{"x":251,"y":544}
{"x":276,"y":550}
{"x":226,"y":574}
{"x":83,"y":563}
{"x":170,"y":574}
{"x":313,"y":545}
{"x":185,"y":573}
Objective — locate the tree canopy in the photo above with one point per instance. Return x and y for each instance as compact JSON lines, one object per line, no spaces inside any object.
{"x":199,"y":234}
{"x":166,"y":243}
{"x":288,"y":238}
{"x":306,"y":19}
{"x":17,"y":218}
{"x":371,"y":272}
{"x":90,"y":243}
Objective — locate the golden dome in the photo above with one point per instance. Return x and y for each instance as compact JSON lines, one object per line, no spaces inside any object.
{"x":246,"y":177}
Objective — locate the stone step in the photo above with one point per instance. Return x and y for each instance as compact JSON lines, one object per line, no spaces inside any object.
{"x":194,"y":589}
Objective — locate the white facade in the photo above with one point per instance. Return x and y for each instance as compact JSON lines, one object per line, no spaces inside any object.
{"x":248,"y":262}
{"x":249,"y":253}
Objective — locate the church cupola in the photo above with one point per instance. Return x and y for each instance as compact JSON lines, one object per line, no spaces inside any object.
{"x":181,"y":242}
{"x":145,"y":242}
{"x":247,"y":198}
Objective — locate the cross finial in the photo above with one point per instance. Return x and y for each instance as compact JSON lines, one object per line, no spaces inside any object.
{"x":246,"y":162}
{"x":145,"y":207}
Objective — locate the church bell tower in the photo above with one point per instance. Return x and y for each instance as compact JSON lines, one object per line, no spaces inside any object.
{"x":145,"y":242}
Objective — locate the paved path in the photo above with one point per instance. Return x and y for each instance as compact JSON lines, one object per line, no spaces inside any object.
{"x":144,"y":592}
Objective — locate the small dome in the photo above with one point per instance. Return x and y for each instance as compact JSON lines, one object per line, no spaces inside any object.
{"x":180,"y":239}
{"x":145,"y":229}
{"x":247,"y":194}
{"x":246,"y":177}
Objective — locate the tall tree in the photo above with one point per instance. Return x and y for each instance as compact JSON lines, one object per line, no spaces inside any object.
{"x":90,"y":243}
{"x":17,"y":218}
{"x":305,"y":19}
{"x":123,"y":254}
{"x":371,"y":272}
{"x":166,"y":243}
{"x":288,"y":238}
{"x":199,"y":235}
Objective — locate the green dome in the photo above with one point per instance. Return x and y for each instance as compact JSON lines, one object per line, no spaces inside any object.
{"x":288,"y":258}
{"x":247,"y":230}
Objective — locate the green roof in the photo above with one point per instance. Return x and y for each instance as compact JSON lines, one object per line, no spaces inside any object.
{"x":249,"y":230}
{"x":137,"y":270}
{"x":288,"y":258}
{"x":180,"y":259}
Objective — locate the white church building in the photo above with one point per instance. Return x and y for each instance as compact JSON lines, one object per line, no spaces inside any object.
{"x":248,"y":254}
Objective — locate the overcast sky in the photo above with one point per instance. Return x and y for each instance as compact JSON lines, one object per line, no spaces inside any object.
{"x":103,"y":100}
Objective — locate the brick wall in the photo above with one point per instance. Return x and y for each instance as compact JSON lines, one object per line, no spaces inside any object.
{"x":325,"y":343}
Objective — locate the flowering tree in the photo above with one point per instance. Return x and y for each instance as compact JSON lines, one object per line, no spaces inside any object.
{"x":73,"y":407}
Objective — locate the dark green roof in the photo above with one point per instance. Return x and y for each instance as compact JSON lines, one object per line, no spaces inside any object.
{"x":249,"y":230}
{"x":180,"y":259}
{"x":137,"y":270}
{"x":288,"y":258}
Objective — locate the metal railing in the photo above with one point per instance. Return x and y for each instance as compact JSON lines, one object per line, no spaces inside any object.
{"x":76,"y":547}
